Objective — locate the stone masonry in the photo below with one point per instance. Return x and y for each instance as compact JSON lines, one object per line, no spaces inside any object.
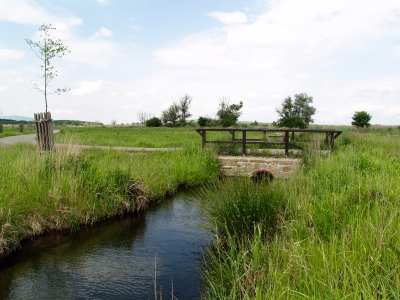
{"x":249,"y":166}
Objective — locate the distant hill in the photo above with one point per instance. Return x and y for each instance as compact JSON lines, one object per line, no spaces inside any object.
{"x":17,"y":118}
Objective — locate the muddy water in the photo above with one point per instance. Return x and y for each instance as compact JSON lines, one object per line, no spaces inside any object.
{"x":116,"y":259}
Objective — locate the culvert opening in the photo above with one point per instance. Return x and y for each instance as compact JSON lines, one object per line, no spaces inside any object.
{"x":259,"y":176}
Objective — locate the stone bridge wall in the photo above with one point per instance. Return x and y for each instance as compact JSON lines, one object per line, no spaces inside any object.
{"x":250,"y":166}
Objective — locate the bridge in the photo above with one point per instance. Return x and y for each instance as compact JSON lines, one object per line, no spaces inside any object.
{"x":329,"y":141}
{"x":261,"y":167}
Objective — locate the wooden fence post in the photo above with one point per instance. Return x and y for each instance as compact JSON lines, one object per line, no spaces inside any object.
{"x":21,"y":127}
{"x":287,"y":143}
{"x":44,"y":131}
{"x":12,"y":125}
{"x":244,"y":142}
{"x":1,"y":127}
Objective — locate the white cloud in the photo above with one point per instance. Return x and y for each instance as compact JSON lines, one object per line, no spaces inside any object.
{"x":291,"y":33}
{"x":391,"y":111}
{"x":132,"y":94}
{"x":396,"y":50}
{"x":29,"y":12}
{"x":103,"y":2}
{"x":137,"y":28}
{"x":26,"y":109}
{"x":87,"y":87}
{"x":229,"y":17}
{"x":385,"y":88}
{"x":125,"y":106}
{"x":97,"y":53}
{"x":6,"y":54}
{"x":22,"y":11}
{"x":114,"y":94}
{"x":63,"y":111}
{"x":103,"y":32}
{"x":2,"y":88}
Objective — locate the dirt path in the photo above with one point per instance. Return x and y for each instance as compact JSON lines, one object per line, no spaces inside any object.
{"x":11,"y":140}
{"x":31,"y":138}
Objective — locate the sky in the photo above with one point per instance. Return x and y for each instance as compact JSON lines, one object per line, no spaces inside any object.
{"x":142,"y":55}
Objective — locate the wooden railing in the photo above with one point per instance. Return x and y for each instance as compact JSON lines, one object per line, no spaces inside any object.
{"x":330,"y":136}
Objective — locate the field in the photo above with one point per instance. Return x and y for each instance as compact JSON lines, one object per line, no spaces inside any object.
{"x":9,"y":131}
{"x":331,"y":232}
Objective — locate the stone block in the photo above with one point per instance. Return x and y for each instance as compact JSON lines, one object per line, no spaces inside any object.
{"x":286,"y":169}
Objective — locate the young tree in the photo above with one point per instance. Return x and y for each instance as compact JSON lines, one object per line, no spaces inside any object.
{"x":46,"y":49}
{"x":361,"y":119}
{"x":228,"y":114}
{"x":296,"y":113}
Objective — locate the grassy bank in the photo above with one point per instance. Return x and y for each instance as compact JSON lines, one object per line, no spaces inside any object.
{"x":331,"y":232}
{"x":72,"y":188}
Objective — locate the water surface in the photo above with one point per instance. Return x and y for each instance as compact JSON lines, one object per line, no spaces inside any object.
{"x":116,"y":259}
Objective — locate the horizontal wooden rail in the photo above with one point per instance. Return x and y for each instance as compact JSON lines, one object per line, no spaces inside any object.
{"x":330,"y":136}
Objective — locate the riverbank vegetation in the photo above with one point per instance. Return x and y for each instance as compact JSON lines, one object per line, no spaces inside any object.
{"x":331,"y":232}
{"x":74,"y":187}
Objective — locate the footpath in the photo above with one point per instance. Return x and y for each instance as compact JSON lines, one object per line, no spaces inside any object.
{"x":31,"y":138}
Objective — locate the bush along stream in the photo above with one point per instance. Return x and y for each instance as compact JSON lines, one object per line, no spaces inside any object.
{"x":71,"y":188}
{"x":331,"y":232}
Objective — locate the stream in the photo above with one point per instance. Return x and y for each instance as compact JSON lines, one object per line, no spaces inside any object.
{"x":117,"y":259}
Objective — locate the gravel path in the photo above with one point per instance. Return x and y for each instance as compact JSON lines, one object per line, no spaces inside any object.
{"x":31,"y":138}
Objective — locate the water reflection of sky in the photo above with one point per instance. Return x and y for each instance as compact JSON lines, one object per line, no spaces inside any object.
{"x":114,"y":260}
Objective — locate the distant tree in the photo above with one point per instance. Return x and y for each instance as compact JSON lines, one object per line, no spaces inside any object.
{"x":143,"y":116}
{"x":153,"y":122}
{"x":46,"y":49}
{"x":361,"y":119}
{"x":184,"y":106}
{"x":255,"y":123}
{"x":171,"y":114}
{"x":296,"y":113}
{"x":202,"y":121}
{"x":177,"y":112}
{"x":206,"y":121}
{"x":228,"y":114}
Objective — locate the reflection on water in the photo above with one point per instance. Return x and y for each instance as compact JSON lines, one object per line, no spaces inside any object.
{"x":114,"y":260}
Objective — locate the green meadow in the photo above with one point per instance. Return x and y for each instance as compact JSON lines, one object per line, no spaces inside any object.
{"x":9,"y":131}
{"x":330,"y":232}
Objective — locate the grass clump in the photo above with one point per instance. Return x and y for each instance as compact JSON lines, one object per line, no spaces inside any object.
{"x":335,"y":236}
{"x":74,"y":187}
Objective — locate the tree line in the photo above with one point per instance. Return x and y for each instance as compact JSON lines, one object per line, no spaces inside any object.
{"x":177,"y":114}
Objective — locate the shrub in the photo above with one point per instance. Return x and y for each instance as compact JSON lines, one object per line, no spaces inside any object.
{"x":153,"y":122}
{"x":361,"y":119}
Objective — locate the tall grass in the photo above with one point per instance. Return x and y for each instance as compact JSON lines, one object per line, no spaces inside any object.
{"x":337,"y":232}
{"x":72,"y":187}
